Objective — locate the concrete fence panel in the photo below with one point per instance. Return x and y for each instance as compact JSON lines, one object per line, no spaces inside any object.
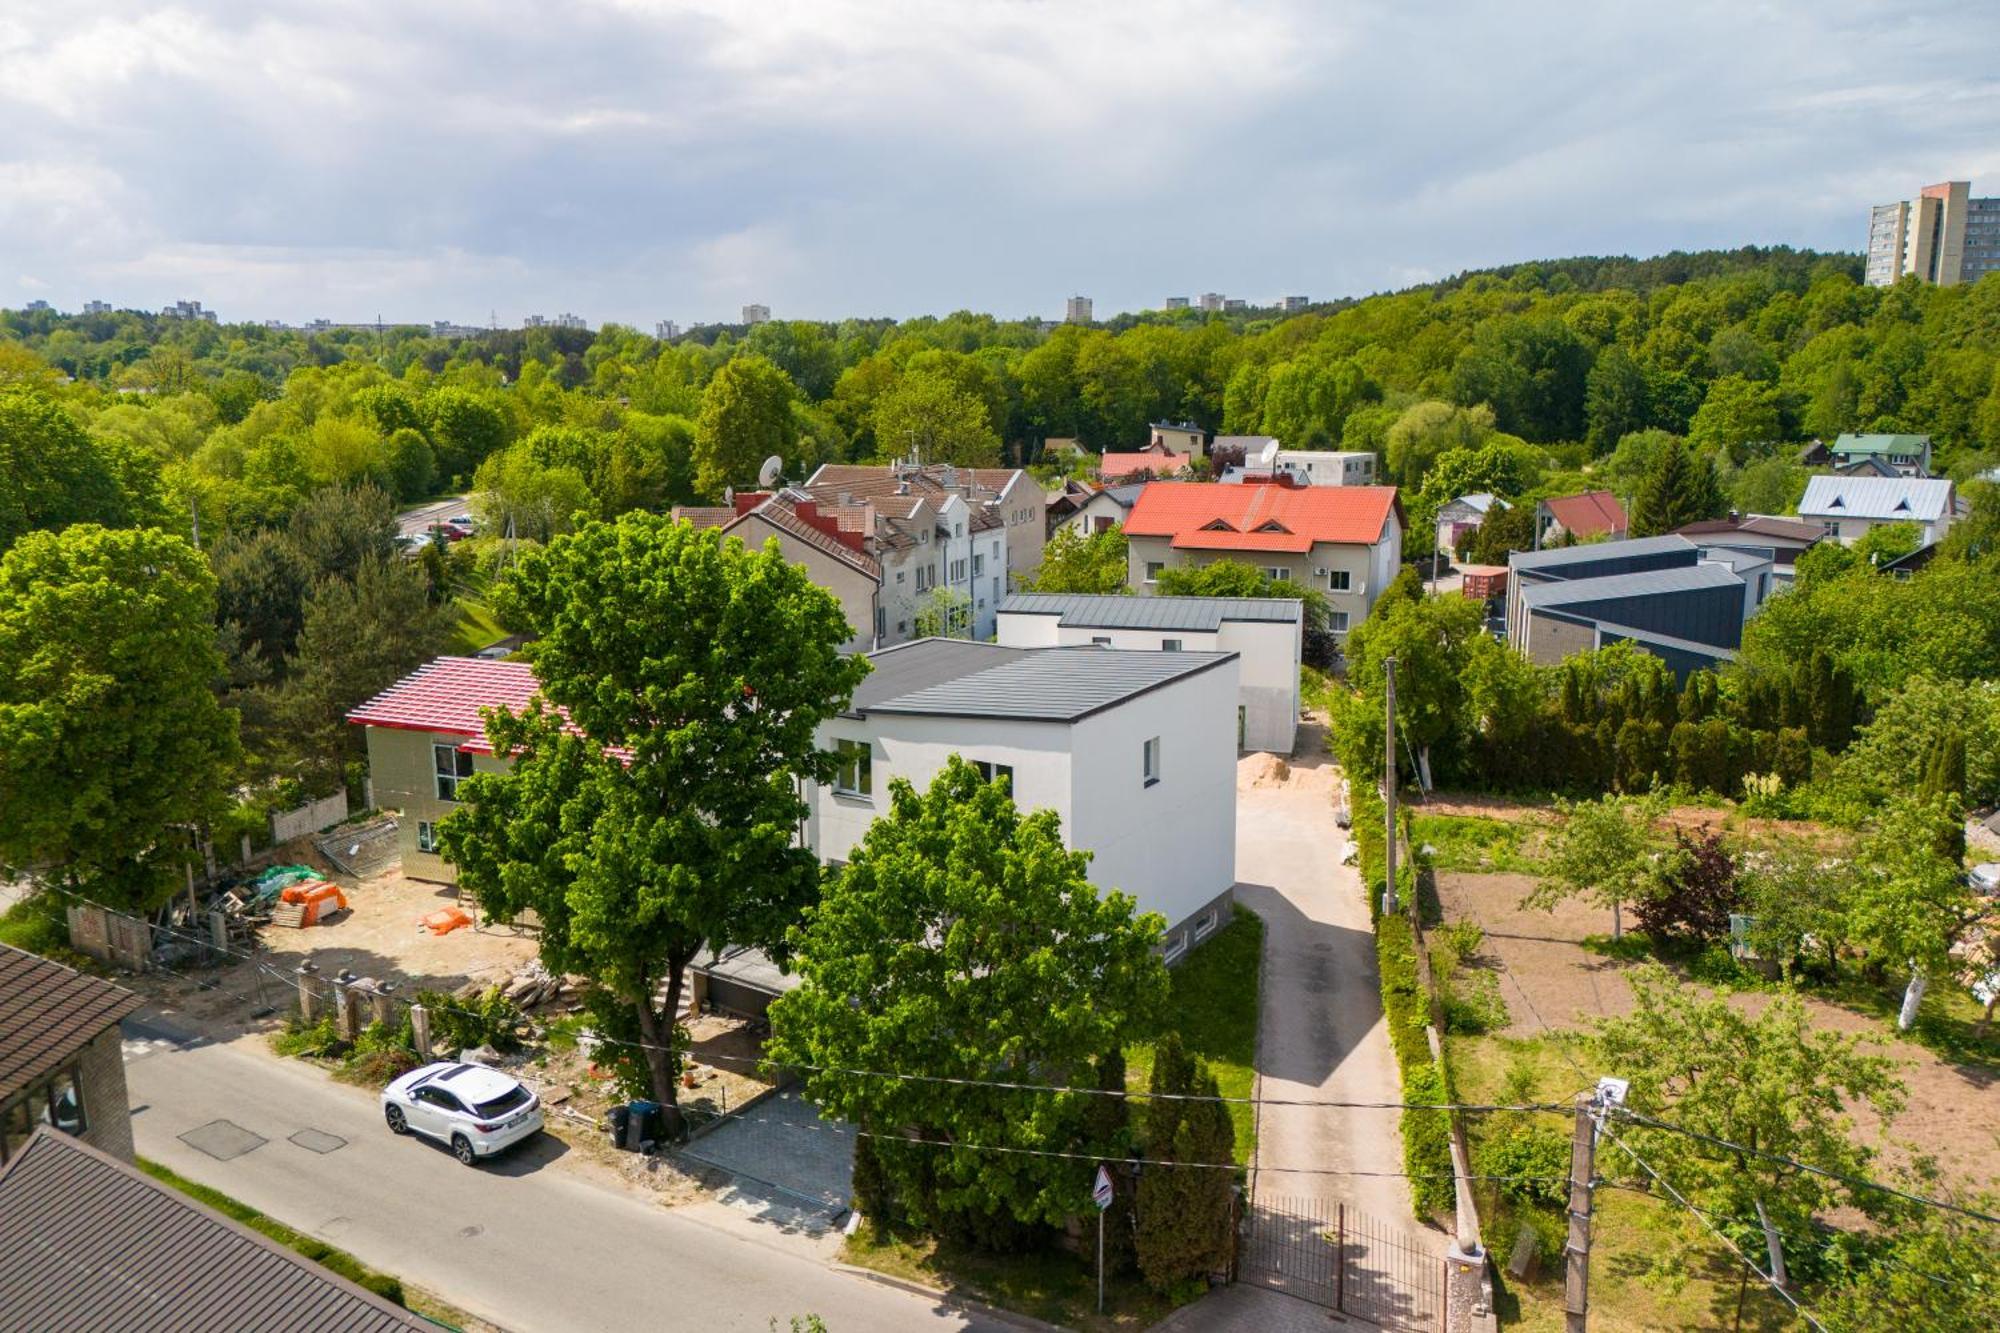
{"x":309,"y":818}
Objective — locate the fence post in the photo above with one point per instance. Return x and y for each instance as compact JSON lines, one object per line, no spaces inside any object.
{"x":346,"y":1006}
{"x":420,"y":1029}
{"x":308,"y":1000}
{"x":1340,"y":1261}
{"x":218,"y":932}
{"x":382,"y":1000}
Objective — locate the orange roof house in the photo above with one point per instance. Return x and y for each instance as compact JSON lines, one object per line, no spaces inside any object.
{"x":1583,"y":517}
{"x":1157,"y":459}
{"x":1344,"y":542}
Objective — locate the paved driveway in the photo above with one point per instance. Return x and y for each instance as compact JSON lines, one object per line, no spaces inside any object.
{"x":781,"y":1152}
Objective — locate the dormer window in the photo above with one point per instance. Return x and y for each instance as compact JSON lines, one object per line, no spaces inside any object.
{"x":1218,"y":525}
{"x":1272,"y":525}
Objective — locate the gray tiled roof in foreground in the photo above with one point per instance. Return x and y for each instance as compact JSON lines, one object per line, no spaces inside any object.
{"x":1644,"y":583}
{"x":920,"y":662}
{"x":1113,"y":611}
{"x":87,"y":1242}
{"x":1047,"y":684}
{"x":1586,"y":553}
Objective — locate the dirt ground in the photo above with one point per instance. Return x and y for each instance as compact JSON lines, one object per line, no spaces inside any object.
{"x":1551,"y":983}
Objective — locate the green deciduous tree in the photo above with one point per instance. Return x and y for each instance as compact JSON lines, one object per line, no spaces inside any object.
{"x":746,"y":417}
{"x":1185,"y":1211}
{"x":1426,"y":432}
{"x":53,"y":474}
{"x":1073,"y":563}
{"x":963,"y":940}
{"x":1911,"y":903}
{"x":110,"y":732}
{"x":1602,"y":850}
{"x":927,"y":417}
{"x":465,"y":427}
{"x":694,"y":673}
{"x":1774,"y":1083}
{"x":1736,"y":413}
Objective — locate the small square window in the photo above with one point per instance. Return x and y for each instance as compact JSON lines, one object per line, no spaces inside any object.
{"x":1151,"y":761}
{"x":1339,"y":580}
{"x":1170,"y":645}
{"x":1204,"y":924}
{"x":427,"y":837}
{"x":1153,"y":568}
{"x":1175,"y":948}
{"x":1337,"y":621}
{"x":991,"y":771}
{"x":856,"y":774}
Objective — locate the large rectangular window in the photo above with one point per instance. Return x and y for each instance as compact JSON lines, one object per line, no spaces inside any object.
{"x":1151,"y":761}
{"x":1339,"y":580}
{"x":453,"y":766}
{"x":991,"y":771}
{"x":427,"y":840}
{"x":856,"y":774}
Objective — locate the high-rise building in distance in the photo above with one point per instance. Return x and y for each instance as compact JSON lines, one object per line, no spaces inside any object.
{"x":1076,"y":310}
{"x":1177,"y":303}
{"x":1211,"y":300}
{"x":1942,"y":236}
{"x":1291,"y":305}
{"x":666,"y":330}
{"x":756,"y":314}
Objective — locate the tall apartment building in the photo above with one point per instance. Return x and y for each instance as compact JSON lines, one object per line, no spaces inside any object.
{"x":1211,"y":300}
{"x":1943,"y":236}
{"x":1177,"y":303}
{"x":97,"y":307}
{"x":666,"y":330}
{"x":188,"y":310}
{"x":1291,"y":305}
{"x":756,"y":314}
{"x":1076,"y":310}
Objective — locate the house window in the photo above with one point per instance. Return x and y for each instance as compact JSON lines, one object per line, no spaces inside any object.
{"x":1279,"y":573}
{"x":1151,"y":761}
{"x":991,"y":771}
{"x":1205,"y":924}
{"x":1101,"y":524}
{"x":1337,"y":621}
{"x":453,"y":766}
{"x":1339,"y":580}
{"x":899,"y":575}
{"x":1100,"y":640}
{"x":1170,"y":645}
{"x":978,"y":565}
{"x":1153,"y":568}
{"x":56,"y":1100}
{"x":427,"y":838}
{"x":1175,"y":948}
{"x":856,"y":774}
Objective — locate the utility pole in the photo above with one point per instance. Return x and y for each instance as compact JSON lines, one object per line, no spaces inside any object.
{"x":1389,"y":788}
{"x":1576,"y":1251}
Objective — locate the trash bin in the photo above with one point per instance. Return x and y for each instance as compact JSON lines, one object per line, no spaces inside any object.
{"x":644,"y":1124}
{"x":620,"y":1117}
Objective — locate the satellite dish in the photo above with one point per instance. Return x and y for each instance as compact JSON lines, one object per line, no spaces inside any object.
{"x":767,"y":475}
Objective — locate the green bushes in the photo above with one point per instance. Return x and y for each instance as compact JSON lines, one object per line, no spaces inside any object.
{"x":490,"y":1020}
{"x":307,"y":1039}
{"x":1426,"y":1134}
{"x":1183,"y":1216}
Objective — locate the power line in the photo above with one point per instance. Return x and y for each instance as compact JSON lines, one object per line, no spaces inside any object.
{"x":1720,"y":1234}
{"x":1856,"y":1182}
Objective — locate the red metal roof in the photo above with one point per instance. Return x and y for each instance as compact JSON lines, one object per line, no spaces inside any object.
{"x":1588,"y":514}
{"x":448,"y":696}
{"x":1113,"y":466}
{"x":1192,"y":514}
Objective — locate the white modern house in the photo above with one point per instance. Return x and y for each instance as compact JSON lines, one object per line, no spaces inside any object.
{"x":1134,"y":751}
{"x":1847,"y":507}
{"x":1266,"y":633}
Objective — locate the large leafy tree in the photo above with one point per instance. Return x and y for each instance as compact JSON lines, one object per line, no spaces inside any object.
{"x":927,"y":417}
{"x":746,"y":417}
{"x":661,"y":817}
{"x":1773,"y":1083}
{"x":1911,"y":903}
{"x":1073,"y":563}
{"x":1435,"y":641}
{"x":53,"y":474}
{"x":965,"y":941}
{"x":111,"y":735}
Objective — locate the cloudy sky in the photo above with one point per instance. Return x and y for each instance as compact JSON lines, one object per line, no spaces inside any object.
{"x":648,"y":159}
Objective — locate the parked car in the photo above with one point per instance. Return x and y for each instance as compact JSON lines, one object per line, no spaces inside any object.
{"x":461,"y":524}
{"x":1985,"y":878}
{"x":474,"y":1110}
{"x":448,"y":532}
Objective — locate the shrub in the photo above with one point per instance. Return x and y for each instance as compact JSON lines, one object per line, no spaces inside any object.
{"x":1184,"y":1211}
{"x":1694,"y":893}
{"x":302,"y":1039}
{"x":490,"y":1020}
{"x":1426,"y":1134}
{"x":1525,"y":1149}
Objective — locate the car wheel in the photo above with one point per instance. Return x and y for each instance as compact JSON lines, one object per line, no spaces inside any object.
{"x":394,"y":1115}
{"x":461,"y":1148}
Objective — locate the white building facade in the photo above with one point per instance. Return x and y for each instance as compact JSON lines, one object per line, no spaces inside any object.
{"x":1134,"y":751}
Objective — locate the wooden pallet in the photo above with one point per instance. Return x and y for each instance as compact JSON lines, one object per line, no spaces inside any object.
{"x":288,"y":914}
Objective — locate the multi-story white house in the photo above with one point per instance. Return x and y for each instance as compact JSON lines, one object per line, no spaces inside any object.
{"x":1266,"y":634}
{"x":1847,"y":507}
{"x":1134,"y":751}
{"x":1007,"y":498}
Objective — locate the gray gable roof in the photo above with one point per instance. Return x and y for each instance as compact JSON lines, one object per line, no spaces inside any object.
{"x":1644,"y":583}
{"x":1038,"y":684}
{"x":923,"y":662}
{"x":1591,"y":552}
{"x":87,"y":1242}
{"x":1895,"y":499}
{"x":1114,"y":611}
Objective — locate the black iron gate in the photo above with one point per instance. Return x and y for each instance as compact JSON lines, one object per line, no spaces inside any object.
{"x":1331,"y":1255}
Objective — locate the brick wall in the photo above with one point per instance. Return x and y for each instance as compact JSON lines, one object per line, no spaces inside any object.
{"x":106,"y":1105}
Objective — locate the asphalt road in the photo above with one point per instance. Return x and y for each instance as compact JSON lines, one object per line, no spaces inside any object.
{"x":524,"y":1242}
{"x":418,"y":522}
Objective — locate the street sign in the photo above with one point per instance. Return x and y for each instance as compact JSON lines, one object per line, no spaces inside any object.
{"x":1101,"y":1191}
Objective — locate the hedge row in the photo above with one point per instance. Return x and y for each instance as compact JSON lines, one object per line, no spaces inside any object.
{"x":1426,"y":1134}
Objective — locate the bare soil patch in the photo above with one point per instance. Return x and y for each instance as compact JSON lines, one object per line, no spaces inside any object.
{"x":1553,"y":984}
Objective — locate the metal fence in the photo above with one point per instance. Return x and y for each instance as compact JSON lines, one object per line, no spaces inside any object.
{"x":1333,"y":1255}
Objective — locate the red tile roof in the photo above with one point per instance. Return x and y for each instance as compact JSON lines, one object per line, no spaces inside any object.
{"x":1588,"y":514}
{"x":1218,"y":516}
{"x":1113,"y":466}
{"x":448,"y":696}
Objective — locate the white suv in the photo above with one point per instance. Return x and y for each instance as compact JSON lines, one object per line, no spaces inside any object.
{"x":476,"y":1110}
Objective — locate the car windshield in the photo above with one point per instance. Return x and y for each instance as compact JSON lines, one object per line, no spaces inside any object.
{"x":515,"y":1096}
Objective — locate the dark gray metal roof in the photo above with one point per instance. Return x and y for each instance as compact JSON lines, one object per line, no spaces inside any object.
{"x":1644,"y":583}
{"x":1591,"y":552}
{"x":921,"y":662}
{"x":87,"y":1242}
{"x":48,"y":1013}
{"x":1113,"y":611}
{"x":1051,"y":684}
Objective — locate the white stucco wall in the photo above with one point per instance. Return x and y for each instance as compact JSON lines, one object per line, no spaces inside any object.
{"x":1171,"y":845}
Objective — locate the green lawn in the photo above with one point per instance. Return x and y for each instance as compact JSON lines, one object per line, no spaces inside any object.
{"x":1214,"y":1006}
{"x":326,"y":1256}
{"x":1476,"y":843}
